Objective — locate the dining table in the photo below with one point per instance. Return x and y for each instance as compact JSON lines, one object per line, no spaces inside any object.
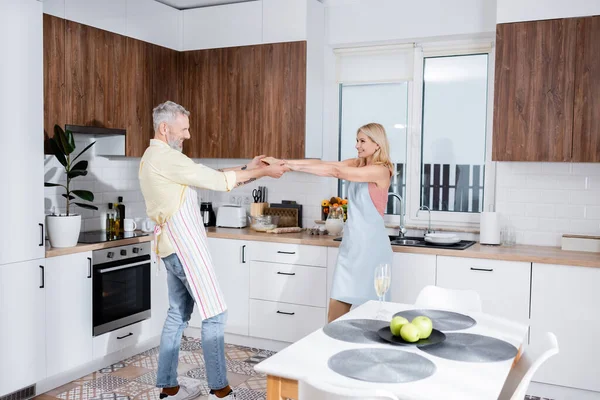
{"x":471,"y":363}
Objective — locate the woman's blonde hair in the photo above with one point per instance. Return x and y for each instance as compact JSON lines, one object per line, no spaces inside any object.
{"x":376,"y":132}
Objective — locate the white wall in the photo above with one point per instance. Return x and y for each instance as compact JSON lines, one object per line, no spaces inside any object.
{"x":545,"y":200}
{"x":530,"y":10}
{"x":360,"y":21}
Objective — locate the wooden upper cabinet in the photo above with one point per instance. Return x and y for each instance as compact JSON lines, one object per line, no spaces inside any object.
{"x":54,"y":76}
{"x":534,"y":90}
{"x":95,"y":81}
{"x":138,"y":97}
{"x":284,"y":100}
{"x":586,"y":126}
{"x":201,"y":93}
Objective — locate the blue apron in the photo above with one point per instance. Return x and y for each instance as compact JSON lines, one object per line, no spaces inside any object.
{"x":365,"y":244}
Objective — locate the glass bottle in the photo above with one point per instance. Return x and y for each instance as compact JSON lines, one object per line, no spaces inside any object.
{"x":110,"y":220}
{"x":121,"y":210}
{"x":117,"y":216}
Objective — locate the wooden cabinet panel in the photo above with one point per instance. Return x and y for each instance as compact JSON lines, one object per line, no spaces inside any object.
{"x":202,"y":97}
{"x":246,"y":101}
{"x":166,"y":67}
{"x":586,"y":124}
{"x":79,"y":63}
{"x":95,"y":90}
{"x":138,"y":99}
{"x":284,"y":100}
{"x":534,"y":86}
{"x":241,"y":127}
{"x":54,"y":75}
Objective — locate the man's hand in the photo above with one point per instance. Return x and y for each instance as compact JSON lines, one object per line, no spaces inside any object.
{"x":256,"y":162}
{"x":276,"y":170}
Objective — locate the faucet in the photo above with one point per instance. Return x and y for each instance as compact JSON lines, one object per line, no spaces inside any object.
{"x":402,"y":212}
{"x":429,"y":224}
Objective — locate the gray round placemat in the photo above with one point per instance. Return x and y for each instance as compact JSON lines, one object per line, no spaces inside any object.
{"x":470,"y":347}
{"x":356,"y":330}
{"x":381,"y":365}
{"x":442,"y":320}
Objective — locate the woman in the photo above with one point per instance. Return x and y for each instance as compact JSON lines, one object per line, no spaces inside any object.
{"x":365,"y":242}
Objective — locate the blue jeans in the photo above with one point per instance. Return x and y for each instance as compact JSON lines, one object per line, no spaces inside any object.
{"x":181,"y":305}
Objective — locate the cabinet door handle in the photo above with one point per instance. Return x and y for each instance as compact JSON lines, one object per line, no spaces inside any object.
{"x":482,"y":269}
{"x":286,"y":252}
{"x":285,"y":313}
{"x":244,"y":254}
{"x":89,"y":268}
{"x":43,"y":277}
{"x":41,"y":234}
{"x":286,"y":273}
{"x":123,"y":337}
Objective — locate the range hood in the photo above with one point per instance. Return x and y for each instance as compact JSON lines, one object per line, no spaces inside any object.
{"x":109,"y":142}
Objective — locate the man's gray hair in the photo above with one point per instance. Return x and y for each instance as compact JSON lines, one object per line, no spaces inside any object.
{"x":167,"y":112}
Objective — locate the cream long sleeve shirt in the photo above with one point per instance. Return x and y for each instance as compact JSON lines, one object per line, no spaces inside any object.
{"x":164,"y":175}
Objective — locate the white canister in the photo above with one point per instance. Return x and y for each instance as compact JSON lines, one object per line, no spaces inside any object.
{"x":489,"y":227}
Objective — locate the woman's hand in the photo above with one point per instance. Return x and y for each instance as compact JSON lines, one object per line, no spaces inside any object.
{"x":270,"y":160}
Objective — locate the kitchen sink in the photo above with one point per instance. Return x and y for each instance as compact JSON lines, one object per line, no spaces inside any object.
{"x":413,"y":241}
{"x":406,"y":242}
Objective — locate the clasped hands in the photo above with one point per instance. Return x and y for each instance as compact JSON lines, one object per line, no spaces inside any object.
{"x":274,"y":167}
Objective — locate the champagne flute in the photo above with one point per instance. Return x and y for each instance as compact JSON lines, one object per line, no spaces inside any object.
{"x":382,"y":280}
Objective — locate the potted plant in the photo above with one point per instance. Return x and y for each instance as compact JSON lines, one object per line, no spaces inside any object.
{"x":63,"y":229}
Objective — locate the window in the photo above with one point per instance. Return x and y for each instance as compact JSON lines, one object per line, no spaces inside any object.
{"x":454,"y":132}
{"x":384,"y":103}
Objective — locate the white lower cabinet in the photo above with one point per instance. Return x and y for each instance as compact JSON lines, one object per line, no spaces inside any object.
{"x":231,"y":265}
{"x":410,"y":274}
{"x":22,"y":325}
{"x":564,"y":301}
{"x":283,"y":321}
{"x":504,"y":286}
{"x":159,"y":302}
{"x":288,"y":283}
{"x":68,"y":312}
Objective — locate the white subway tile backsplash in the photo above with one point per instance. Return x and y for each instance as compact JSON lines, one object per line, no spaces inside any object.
{"x":557,"y":198}
{"x":569,"y":211}
{"x":556,"y":168}
{"x":539,"y":210}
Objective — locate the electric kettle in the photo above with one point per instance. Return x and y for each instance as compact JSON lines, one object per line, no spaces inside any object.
{"x":208,"y":215}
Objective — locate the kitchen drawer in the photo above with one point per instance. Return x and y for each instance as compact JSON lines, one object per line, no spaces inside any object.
{"x":504,"y":286}
{"x":284,"y":322}
{"x":116,"y":340}
{"x":286,"y":253}
{"x":288,"y":283}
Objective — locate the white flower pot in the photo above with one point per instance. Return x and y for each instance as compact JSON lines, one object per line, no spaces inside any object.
{"x":63,"y":231}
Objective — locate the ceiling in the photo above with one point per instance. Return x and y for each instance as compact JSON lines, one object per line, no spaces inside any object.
{"x":185,"y":4}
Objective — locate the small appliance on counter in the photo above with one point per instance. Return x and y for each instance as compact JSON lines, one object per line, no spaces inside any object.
{"x":208,"y":215}
{"x":231,"y":216}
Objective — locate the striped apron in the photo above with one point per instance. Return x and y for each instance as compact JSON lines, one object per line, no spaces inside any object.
{"x":186,"y":232}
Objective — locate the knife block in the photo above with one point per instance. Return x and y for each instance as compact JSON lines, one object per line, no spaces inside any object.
{"x":257,"y":209}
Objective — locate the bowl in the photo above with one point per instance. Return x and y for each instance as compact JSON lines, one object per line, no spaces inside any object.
{"x":263,"y":223}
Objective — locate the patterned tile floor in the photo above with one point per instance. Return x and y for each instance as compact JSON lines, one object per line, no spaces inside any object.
{"x":134,"y":378}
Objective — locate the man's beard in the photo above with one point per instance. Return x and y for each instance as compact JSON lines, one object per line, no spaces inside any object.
{"x":175,"y":144}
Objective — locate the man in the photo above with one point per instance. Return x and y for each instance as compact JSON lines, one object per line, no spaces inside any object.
{"x":166,"y":176}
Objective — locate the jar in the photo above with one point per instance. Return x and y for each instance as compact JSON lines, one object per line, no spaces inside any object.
{"x":335,"y":221}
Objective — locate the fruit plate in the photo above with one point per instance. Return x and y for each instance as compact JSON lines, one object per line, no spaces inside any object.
{"x":436,"y":337}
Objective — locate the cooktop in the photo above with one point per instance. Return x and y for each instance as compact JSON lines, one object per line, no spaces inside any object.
{"x":103,"y":236}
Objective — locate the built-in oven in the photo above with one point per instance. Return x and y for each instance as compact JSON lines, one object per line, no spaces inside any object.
{"x":121,"y":286}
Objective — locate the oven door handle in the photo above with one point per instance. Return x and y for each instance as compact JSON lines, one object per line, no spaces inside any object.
{"x":105,"y":270}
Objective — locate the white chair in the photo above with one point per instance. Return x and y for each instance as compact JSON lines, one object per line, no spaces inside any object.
{"x":449,"y":299}
{"x":313,"y":390}
{"x":520,"y":375}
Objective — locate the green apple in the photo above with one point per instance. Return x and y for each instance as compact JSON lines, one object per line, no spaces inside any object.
{"x":410,"y":333}
{"x":424,"y":325}
{"x":396,"y":324}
